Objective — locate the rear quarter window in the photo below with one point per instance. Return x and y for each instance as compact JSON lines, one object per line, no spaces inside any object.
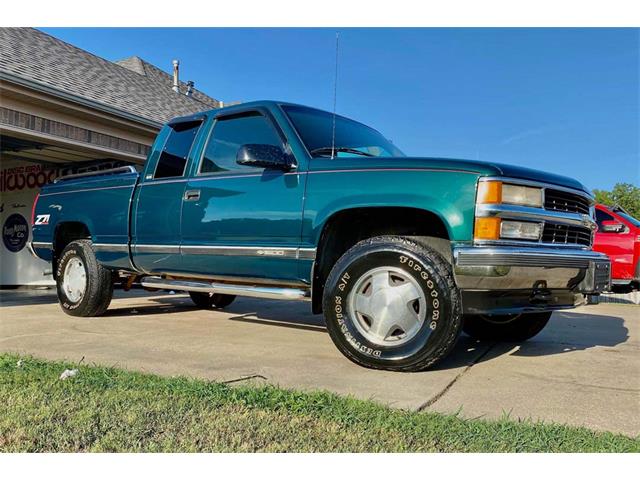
{"x":174,"y":155}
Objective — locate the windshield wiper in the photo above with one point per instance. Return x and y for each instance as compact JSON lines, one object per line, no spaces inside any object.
{"x":327,"y":150}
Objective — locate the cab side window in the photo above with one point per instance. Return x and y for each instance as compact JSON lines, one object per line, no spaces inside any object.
{"x":175,"y":152}
{"x":229,"y":134}
{"x":602,"y":217}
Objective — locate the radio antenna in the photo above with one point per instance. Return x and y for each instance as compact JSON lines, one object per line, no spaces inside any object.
{"x":335,"y":96}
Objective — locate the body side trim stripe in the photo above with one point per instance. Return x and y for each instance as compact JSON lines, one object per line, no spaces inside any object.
{"x":221,"y":177}
{"x":282,"y":252}
{"x":138,"y":248}
{"x":86,"y":190}
{"x":202,"y":178}
{"x":110,"y":247}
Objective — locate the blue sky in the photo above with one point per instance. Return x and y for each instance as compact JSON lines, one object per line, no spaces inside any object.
{"x":561,"y":100}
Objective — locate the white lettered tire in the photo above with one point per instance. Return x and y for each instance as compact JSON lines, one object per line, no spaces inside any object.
{"x":84,"y":286}
{"x":391,"y":303}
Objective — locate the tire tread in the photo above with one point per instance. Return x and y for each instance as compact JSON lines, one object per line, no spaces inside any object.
{"x":442,"y":267}
{"x":100,"y":283}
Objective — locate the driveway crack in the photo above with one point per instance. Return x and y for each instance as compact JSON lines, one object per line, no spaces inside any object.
{"x":447,"y":387}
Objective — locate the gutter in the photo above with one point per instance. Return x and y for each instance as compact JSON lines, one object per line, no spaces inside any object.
{"x":43,"y":88}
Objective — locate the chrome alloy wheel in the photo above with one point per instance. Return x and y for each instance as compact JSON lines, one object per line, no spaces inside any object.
{"x":388,"y":306}
{"x":74,"y":279}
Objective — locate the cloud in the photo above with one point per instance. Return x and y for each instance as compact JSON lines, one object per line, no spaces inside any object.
{"x":531,"y":132}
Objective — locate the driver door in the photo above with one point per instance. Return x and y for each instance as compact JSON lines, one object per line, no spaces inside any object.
{"x":240,"y":220}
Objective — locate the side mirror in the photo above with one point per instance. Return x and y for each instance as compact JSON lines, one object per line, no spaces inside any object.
{"x":611,"y":226}
{"x":261,"y":155}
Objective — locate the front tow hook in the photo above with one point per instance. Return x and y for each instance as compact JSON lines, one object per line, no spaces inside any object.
{"x":541,"y":294}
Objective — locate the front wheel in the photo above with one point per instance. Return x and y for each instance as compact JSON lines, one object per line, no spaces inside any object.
{"x":392,"y":304}
{"x":84,"y":286}
{"x":515,"y":328}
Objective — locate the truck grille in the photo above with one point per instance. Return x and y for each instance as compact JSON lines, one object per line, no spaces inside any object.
{"x":560,"y":201}
{"x":566,"y":234}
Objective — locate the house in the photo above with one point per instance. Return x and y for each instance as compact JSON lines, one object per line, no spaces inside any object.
{"x":65,"y":110}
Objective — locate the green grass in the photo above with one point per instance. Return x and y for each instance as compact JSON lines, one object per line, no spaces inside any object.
{"x":106,"y":409}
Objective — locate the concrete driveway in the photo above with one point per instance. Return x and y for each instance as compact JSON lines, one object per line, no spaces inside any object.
{"x":583,"y":369}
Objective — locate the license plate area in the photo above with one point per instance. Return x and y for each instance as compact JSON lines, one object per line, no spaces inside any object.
{"x":597,"y":278}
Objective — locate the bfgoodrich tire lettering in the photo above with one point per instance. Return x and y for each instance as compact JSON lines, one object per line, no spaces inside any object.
{"x":98,"y":288}
{"x":438,"y":331}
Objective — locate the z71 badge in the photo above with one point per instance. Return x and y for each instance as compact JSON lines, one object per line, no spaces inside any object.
{"x":42,"y":220}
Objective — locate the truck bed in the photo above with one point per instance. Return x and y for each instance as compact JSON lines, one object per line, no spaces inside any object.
{"x":101,"y":201}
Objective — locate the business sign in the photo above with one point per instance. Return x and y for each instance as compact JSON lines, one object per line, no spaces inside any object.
{"x":26,"y":177}
{"x":15,"y":232}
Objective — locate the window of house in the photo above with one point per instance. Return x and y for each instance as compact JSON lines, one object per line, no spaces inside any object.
{"x":175,"y":153}
{"x":229,"y":134}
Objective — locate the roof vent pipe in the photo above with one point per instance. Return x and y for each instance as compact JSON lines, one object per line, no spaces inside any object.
{"x":189,"y":91}
{"x":176,"y":76}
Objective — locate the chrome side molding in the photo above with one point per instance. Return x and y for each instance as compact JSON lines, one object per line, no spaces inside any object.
{"x":295,"y":253}
{"x":48,"y":245}
{"x":110,"y":247}
{"x":257,"y":291}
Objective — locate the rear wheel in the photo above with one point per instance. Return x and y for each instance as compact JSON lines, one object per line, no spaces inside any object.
{"x":392,"y":304}
{"x":516,"y":328}
{"x":85,"y":287}
{"x":211,"y":300}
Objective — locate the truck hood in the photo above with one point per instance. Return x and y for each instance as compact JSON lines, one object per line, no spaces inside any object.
{"x":524,"y":173}
{"x":481,"y":167}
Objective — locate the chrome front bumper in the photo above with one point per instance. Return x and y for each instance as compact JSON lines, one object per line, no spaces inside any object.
{"x":507,"y":280}
{"x":513,"y":268}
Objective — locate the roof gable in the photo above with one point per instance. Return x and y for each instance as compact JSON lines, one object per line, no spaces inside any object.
{"x":38,"y":57}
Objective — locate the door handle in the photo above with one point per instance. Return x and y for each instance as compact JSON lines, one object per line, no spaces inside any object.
{"x":191,"y":195}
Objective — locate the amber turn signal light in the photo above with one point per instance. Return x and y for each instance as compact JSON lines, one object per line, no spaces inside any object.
{"x":487,"y":228}
{"x":490,"y":192}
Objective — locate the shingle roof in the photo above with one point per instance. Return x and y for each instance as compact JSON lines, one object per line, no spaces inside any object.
{"x":36,"y":56}
{"x":149,"y":70}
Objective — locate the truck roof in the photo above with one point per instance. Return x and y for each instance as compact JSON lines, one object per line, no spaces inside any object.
{"x":255,"y":103}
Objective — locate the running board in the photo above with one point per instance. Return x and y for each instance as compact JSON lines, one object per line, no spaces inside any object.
{"x":258,"y":291}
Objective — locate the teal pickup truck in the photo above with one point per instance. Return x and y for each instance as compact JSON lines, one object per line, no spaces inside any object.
{"x":276,"y":200}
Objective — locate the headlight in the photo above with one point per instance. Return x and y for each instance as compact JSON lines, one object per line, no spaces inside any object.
{"x":519,"y":195}
{"x":499,"y":192}
{"x":494,"y":228}
{"x":520,"y":230}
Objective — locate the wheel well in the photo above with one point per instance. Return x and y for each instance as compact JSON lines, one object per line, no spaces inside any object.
{"x":67,"y":232}
{"x":348,"y":227}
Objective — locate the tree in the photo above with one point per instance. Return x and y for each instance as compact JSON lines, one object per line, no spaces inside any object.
{"x":625,"y":195}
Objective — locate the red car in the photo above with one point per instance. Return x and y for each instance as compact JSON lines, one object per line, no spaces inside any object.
{"x":618,"y":236}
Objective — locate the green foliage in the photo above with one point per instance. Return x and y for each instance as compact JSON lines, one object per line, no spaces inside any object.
{"x":625,"y":195}
{"x":107,"y":409}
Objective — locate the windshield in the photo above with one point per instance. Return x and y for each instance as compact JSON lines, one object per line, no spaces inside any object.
{"x":352,"y":139}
